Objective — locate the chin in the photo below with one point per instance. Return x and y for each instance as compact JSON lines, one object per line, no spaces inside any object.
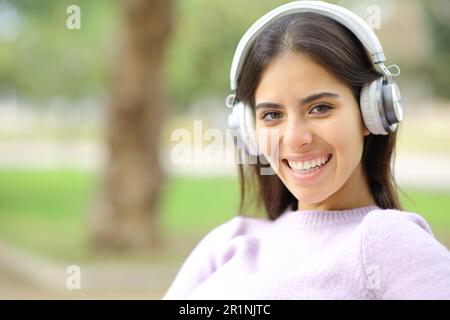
{"x":312,"y":198}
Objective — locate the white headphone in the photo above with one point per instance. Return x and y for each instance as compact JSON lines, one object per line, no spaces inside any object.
{"x":380,"y":101}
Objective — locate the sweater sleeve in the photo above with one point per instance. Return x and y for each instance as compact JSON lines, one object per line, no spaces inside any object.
{"x":201,"y":262}
{"x":403,"y":259}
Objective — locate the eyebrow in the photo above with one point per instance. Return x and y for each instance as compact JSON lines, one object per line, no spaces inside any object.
{"x":303,"y":101}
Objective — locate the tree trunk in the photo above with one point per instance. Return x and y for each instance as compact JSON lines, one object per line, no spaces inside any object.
{"x":125,"y":215}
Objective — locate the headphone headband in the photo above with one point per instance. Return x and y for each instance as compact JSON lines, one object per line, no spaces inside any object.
{"x":345,"y":17}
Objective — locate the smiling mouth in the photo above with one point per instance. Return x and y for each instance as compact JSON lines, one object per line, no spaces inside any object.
{"x":309,"y":170}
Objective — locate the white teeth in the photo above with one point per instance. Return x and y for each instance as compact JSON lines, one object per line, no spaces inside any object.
{"x":298,"y":165}
{"x":306,"y":165}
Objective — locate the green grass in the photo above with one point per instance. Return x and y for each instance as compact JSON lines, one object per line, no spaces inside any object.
{"x":46,"y":211}
{"x":433,"y":205}
{"x":190,"y":203}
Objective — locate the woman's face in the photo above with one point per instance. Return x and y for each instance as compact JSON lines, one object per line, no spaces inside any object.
{"x":317,"y":123}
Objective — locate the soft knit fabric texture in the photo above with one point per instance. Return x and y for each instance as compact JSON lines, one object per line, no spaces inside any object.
{"x":362,"y":253}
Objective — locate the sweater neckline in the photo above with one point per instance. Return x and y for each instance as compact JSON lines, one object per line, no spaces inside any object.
{"x":324,"y":217}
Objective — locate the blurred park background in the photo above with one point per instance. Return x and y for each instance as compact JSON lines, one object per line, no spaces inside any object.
{"x":86,"y":122}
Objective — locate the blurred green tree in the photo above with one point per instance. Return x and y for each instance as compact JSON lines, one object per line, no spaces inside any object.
{"x":47,"y":60}
{"x":202,"y":45}
{"x":437,"y":13}
{"x":125,"y":217}
{"x":40,"y":58}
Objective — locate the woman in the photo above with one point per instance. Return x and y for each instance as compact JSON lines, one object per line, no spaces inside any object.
{"x":336,"y":229}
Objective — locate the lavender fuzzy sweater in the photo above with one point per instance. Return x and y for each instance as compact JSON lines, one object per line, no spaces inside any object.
{"x":362,"y":253}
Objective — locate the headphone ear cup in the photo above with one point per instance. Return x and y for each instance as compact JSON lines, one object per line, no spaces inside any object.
{"x":248,"y":130}
{"x":370,"y":98}
{"x":393,"y":104}
{"x":242,"y":119}
{"x":233,"y":118}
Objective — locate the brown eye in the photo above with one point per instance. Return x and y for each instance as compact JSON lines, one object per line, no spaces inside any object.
{"x":321,"y":108}
{"x":268,"y":116}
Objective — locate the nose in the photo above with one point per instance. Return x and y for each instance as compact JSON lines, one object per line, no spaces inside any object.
{"x":296,"y":134}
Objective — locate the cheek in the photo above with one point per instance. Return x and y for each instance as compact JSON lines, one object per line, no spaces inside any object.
{"x":269,"y":145}
{"x":348,"y":145}
{"x":269,"y":141}
{"x":347,"y":127}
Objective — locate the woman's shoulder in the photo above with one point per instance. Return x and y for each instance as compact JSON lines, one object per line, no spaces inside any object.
{"x":390,"y":232}
{"x":392,"y":220}
{"x":401,"y":253}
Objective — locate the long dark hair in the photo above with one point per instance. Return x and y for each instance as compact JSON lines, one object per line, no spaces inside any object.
{"x":340,"y":52}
